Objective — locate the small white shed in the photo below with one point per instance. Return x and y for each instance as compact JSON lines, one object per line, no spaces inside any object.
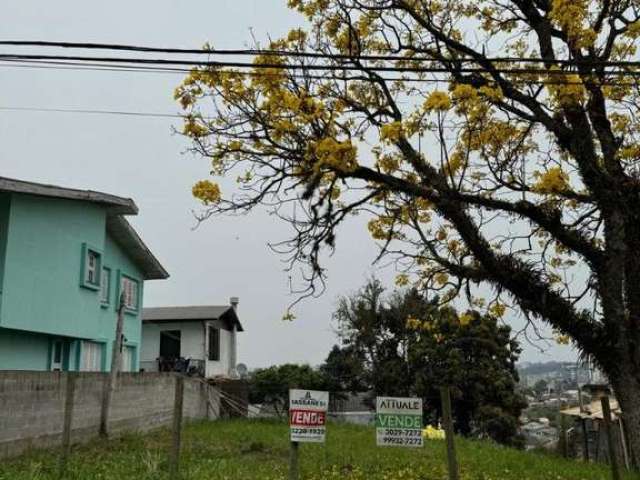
{"x":201,"y":337}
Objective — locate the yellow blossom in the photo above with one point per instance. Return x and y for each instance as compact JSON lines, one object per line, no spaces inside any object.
{"x":377,"y":229}
{"x":553,"y":180}
{"x":388,"y":163}
{"x":498,"y":310}
{"x":413,"y":323}
{"x":194,"y":129}
{"x":465,"y":319}
{"x":391,"y":132}
{"x":337,"y":154}
{"x":463,"y":92}
{"x":566,"y":90}
{"x":441,"y":278}
{"x":207,"y":192}
{"x":570,"y":16}
{"x":438,"y":101}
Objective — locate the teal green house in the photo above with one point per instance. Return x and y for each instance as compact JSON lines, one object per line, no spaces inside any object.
{"x":66,"y":255}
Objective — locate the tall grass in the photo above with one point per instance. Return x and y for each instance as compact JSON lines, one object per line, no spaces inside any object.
{"x":258,"y":450}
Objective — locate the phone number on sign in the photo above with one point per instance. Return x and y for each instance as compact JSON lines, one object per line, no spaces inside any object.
{"x":408,"y":441}
{"x":399,"y":432}
{"x":308,"y":431}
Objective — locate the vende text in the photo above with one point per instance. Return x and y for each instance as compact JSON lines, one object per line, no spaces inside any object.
{"x":306,"y":418}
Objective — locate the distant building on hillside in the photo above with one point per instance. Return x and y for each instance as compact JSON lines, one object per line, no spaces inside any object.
{"x":558,"y":373}
{"x":198,"y":339}
{"x":66,"y":255}
{"x":540,"y":434}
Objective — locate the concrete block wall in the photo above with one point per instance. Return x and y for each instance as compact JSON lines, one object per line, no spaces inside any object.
{"x":32,"y":406}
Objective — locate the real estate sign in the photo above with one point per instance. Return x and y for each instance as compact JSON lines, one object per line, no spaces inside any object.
{"x":308,"y":415}
{"x":399,"y":422}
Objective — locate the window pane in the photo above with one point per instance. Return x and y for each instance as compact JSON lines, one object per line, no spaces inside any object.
{"x":105,"y":283}
{"x":91,"y":267}
{"x":134,"y":294}
{"x":130,"y":289}
{"x":91,"y":357}
{"x":214,"y":344}
{"x":57,"y":352}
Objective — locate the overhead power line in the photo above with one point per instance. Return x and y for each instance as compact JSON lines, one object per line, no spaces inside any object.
{"x":357,"y":76}
{"x":303,"y":54}
{"x":303,"y":67}
{"x":125,"y":113}
{"x":92,"y":112}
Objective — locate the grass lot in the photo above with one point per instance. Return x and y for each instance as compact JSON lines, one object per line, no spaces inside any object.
{"x":258,"y":450}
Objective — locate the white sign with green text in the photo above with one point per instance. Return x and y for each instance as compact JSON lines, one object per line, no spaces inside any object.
{"x":399,"y":422}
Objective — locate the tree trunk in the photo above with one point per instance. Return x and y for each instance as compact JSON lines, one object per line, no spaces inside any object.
{"x":627,"y":390}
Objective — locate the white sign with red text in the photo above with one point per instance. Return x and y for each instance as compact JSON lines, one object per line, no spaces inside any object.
{"x":308,"y":415}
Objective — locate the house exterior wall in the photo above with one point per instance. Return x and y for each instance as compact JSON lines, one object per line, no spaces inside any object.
{"x":41,"y":277}
{"x":23,"y":350}
{"x":191,"y":342}
{"x":194,"y":343}
{"x":5,"y":202}
{"x":120,"y":264}
{"x":223,"y":366}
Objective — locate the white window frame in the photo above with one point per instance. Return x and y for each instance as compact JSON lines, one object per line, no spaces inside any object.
{"x":105,"y":286}
{"x":91,"y":270}
{"x":90,"y":276}
{"x":91,"y":357}
{"x":131,"y":289}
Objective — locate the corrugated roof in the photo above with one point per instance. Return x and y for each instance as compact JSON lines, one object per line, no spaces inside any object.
{"x":191,"y":313}
{"x":117,"y":226}
{"x":592,"y":410}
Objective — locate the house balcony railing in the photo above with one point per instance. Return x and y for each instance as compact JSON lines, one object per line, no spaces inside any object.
{"x":189,"y":366}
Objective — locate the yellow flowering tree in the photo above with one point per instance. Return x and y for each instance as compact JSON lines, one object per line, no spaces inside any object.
{"x":489,"y":142}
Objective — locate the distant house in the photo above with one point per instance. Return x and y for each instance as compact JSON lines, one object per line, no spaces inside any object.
{"x":539,"y":434}
{"x":65,"y":257}
{"x":356,"y":408}
{"x":200,"y":339}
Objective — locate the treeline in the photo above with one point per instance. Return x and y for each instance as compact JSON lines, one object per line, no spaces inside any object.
{"x":403,"y":344}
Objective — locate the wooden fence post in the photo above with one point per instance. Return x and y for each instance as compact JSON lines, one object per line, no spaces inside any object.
{"x":447,"y":421}
{"x":174,"y":461}
{"x":112,"y":378}
{"x":294,"y":468}
{"x":613,"y":451}
{"x":585,"y":440}
{"x":564,"y":436}
{"x":69,"y":401}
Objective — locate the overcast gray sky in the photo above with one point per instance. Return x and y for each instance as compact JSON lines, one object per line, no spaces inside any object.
{"x":138,"y":157}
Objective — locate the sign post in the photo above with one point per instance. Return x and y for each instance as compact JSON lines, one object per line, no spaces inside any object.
{"x":399,"y":422}
{"x":447,"y":420}
{"x":307,"y":422}
{"x":294,"y":469}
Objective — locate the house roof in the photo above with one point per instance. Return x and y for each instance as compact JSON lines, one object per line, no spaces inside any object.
{"x":115,"y":204}
{"x":592,"y":410}
{"x":117,"y":226}
{"x":192,"y":313}
{"x":124,"y":235}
